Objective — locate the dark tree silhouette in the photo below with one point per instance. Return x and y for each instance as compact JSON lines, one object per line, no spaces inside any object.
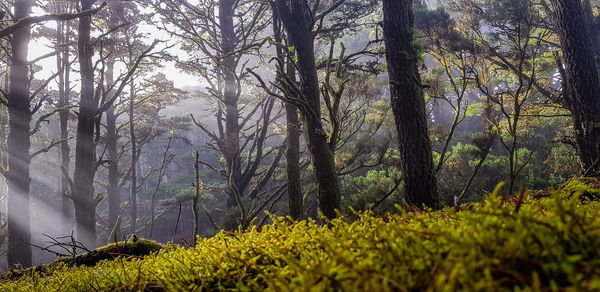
{"x":19,"y":143}
{"x":582,"y":81}
{"x":297,"y":19}
{"x":408,"y":104}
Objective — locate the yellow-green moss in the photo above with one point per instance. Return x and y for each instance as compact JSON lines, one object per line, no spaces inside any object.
{"x":550,"y":243}
{"x":134,"y":247}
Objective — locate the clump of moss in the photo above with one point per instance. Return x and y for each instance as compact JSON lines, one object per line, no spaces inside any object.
{"x":134,"y":247}
{"x":547,"y":243}
{"x":588,"y":187}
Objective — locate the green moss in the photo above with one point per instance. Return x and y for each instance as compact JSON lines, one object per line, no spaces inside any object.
{"x":586,"y":187}
{"x":539,"y":243}
{"x":134,"y":247}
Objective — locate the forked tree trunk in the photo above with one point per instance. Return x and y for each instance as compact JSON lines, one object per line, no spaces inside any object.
{"x":85,"y":149}
{"x":408,"y":105}
{"x":583,"y":81}
{"x":17,"y":176}
{"x":297,"y":20}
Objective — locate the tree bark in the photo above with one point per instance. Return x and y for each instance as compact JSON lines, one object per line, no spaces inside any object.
{"x":134,"y":156}
{"x":230,"y":98}
{"x":292,"y":154}
{"x":298,"y":22}
{"x":17,"y":176}
{"x":135,"y":150}
{"x":408,"y":105}
{"x":64,"y":88}
{"x":85,"y":149}
{"x":583,"y":82}
{"x":112,"y":136}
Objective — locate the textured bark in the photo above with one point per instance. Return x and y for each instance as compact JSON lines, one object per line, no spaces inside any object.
{"x":298,"y":21}
{"x":594,"y":30}
{"x":292,"y":155}
{"x":408,"y":105}
{"x":17,"y":176}
{"x":85,"y":148}
{"x":230,"y":97}
{"x":583,"y":82}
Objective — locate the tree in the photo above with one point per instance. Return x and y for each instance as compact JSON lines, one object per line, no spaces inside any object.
{"x":583,"y":84}
{"x":408,"y":104}
{"x":63,"y":51}
{"x":83,"y":179}
{"x":221,"y":37}
{"x":297,"y":18}
{"x":20,"y":113}
{"x":292,"y":154}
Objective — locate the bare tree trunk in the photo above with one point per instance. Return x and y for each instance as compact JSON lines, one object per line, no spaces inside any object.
{"x":63,"y":65}
{"x":230,"y":97}
{"x":85,"y":149}
{"x":292,"y":154}
{"x":297,"y":20}
{"x":134,"y":158}
{"x":196,"y":194}
{"x":583,"y":82}
{"x":408,"y":105}
{"x":17,"y":176}
{"x":113,"y":190}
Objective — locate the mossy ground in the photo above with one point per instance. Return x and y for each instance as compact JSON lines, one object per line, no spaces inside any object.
{"x":541,"y":242}
{"x":134,"y":247}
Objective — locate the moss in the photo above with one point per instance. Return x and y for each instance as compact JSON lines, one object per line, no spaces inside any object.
{"x":544,"y":242}
{"x":134,"y":247}
{"x":586,"y":187}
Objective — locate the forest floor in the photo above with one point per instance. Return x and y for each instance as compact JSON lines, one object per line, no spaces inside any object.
{"x":537,"y":241}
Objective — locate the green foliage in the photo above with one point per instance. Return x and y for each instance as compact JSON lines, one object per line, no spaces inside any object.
{"x":546,"y":241}
{"x":362,"y":192}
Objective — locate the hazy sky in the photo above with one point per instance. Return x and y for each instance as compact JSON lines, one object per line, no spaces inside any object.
{"x":41,"y":46}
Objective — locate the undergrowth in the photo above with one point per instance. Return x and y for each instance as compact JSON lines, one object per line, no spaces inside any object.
{"x":537,"y":242}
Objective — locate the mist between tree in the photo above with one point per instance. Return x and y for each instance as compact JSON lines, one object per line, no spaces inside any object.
{"x":172,"y":119}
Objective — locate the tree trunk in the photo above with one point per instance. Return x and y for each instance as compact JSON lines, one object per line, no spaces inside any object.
{"x":134,"y":156}
{"x":230,"y":98}
{"x":85,"y":149}
{"x":408,"y":105}
{"x":297,"y":20}
{"x":64,"y":84}
{"x":17,"y":176}
{"x":583,"y":81}
{"x":292,"y":154}
{"x":591,"y":24}
{"x":196,"y":197}
{"x":113,"y":190}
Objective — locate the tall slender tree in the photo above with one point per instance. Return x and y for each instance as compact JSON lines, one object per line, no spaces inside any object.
{"x":292,"y":155}
{"x":298,"y":20}
{"x":85,"y":148}
{"x":63,"y":40}
{"x":408,"y":104}
{"x":18,"y":179}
